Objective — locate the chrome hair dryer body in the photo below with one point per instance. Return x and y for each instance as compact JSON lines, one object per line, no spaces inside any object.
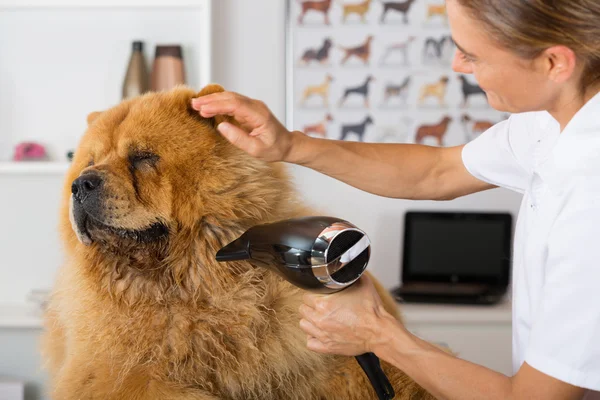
{"x":320,"y":254}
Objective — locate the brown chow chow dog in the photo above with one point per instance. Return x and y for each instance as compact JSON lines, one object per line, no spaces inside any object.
{"x":141,"y":309}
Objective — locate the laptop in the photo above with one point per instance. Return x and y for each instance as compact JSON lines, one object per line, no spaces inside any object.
{"x":455,"y":257}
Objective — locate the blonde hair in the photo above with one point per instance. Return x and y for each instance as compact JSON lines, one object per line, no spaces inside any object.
{"x":528,"y":27}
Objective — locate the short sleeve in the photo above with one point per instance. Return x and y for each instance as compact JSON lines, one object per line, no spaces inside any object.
{"x":565,"y":335}
{"x":493,"y":156}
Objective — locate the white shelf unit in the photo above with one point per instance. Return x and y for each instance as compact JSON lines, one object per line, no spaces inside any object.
{"x":40,"y":168}
{"x":481,"y":334}
{"x":20,"y":316}
{"x":62,"y":59}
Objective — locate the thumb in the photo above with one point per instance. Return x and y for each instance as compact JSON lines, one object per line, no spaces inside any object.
{"x":237,"y":136}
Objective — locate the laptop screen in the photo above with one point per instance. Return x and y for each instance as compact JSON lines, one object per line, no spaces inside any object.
{"x":457,"y":247}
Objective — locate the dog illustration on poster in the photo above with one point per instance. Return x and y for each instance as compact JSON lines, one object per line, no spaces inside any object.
{"x":436,"y":131}
{"x":397,"y":133}
{"x":362,"y":51}
{"x":356,"y":129}
{"x":469,"y":89}
{"x":437,"y":49}
{"x":436,"y":90}
{"x":401,"y":48}
{"x":402,"y":7}
{"x":321,"y":6}
{"x":399,"y":91}
{"x":362,"y":90}
{"x":321,"y":90}
{"x":319,"y":55}
{"x":320,"y":128}
{"x":361,"y":9}
{"x":436,"y":11}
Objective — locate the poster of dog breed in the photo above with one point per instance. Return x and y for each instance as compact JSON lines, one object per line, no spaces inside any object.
{"x":361,"y":51}
{"x":396,"y":51}
{"x":359,"y":9}
{"x":361,"y":91}
{"x":320,"y":55}
{"x":319,"y":128}
{"x":357,"y":68}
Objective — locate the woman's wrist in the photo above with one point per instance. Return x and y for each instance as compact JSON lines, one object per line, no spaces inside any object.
{"x":390,"y":333}
{"x":295,"y":152}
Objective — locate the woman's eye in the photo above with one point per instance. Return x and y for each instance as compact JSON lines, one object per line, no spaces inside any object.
{"x":143,"y":160}
{"x":466,"y":57}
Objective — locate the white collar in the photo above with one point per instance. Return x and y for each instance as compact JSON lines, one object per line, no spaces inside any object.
{"x":586,"y":120}
{"x":576,"y":150}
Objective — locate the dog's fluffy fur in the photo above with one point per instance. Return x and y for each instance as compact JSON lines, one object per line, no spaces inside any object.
{"x":149,"y":314}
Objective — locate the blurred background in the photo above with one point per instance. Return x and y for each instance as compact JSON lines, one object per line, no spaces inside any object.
{"x":62,"y":59}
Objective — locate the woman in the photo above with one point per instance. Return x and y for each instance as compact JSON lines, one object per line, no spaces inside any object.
{"x":539,"y":59}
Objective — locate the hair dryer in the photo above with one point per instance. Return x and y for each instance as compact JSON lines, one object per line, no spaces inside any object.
{"x":320,"y":254}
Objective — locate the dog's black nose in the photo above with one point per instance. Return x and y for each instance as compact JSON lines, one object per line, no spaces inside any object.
{"x":86,"y":184}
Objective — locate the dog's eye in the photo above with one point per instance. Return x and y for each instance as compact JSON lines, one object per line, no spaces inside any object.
{"x":91,"y":162}
{"x":143,"y":160}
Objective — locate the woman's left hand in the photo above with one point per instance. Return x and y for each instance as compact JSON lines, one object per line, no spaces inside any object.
{"x":345,"y":323}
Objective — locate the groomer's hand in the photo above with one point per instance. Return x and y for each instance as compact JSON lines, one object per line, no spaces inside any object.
{"x":346,"y":323}
{"x":261,"y":134}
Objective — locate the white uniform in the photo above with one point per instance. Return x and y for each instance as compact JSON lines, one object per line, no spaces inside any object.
{"x":556,"y":266}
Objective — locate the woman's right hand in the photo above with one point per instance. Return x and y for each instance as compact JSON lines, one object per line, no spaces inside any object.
{"x":261,"y":135}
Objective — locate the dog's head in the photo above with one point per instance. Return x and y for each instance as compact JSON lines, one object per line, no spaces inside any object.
{"x":150,"y":172}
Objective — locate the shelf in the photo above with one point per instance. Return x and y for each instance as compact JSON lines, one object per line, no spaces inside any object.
{"x":100,"y":3}
{"x":451,"y":314}
{"x":34,"y":168}
{"x":19,"y":316}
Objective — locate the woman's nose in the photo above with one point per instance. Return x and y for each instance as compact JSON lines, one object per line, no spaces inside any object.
{"x":460,"y":65}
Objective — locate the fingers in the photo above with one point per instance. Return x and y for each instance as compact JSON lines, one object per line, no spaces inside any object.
{"x":236,"y":136}
{"x":309,"y":328}
{"x":315,"y":345}
{"x":226,"y":103}
{"x":308,"y":313}
{"x":198,"y":102}
{"x":219,"y":107}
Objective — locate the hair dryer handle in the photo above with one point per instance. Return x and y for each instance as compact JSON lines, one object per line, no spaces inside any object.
{"x":369,"y":362}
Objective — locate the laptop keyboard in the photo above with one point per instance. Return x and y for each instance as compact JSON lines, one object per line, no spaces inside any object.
{"x":442,"y":288}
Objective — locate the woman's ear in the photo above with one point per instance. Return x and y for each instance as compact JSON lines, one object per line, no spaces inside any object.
{"x":92,"y":116}
{"x":211,"y":89}
{"x":561,"y":63}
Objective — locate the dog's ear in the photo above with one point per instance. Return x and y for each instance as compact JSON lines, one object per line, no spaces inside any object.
{"x":211,"y":89}
{"x":92,"y":116}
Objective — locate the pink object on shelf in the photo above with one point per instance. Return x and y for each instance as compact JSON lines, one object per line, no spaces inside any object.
{"x":29,"y":151}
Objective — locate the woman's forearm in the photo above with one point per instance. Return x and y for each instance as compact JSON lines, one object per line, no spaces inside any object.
{"x":443,"y":375}
{"x":405,"y":171}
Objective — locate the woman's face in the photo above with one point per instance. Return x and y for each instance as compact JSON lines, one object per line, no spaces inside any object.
{"x":512,"y":84}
